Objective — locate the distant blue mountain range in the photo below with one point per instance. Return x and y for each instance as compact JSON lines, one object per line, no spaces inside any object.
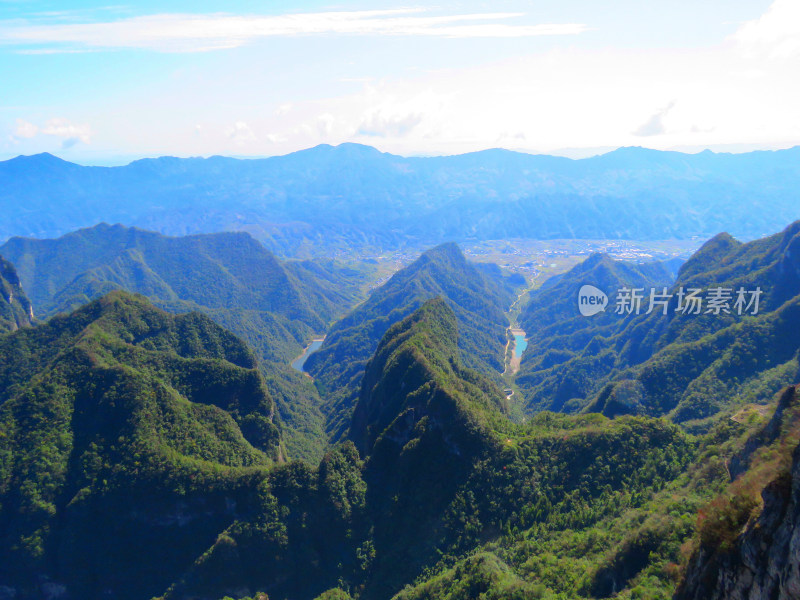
{"x":327,"y":197}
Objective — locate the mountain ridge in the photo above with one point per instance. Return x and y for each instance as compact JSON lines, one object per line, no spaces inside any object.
{"x":666,"y":362}
{"x":324,"y":147}
{"x":275,"y":305}
{"x":478,"y":297}
{"x":329,"y":198}
{"x":124,"y":427}
{"x":120,"y":421}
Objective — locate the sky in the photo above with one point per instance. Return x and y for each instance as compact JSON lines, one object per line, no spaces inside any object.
{"x":97,"y":83}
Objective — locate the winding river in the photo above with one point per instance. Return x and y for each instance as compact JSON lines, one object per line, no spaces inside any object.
{"x":520,"y":343}
{"x":299,"y":362}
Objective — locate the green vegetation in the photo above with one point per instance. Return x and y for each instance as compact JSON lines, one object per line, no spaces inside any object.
{"x":141,"y":456}
{"x":479,"y":295}
{"x":745,"y":534}
{"x":307,"y":533}
{"x":417,"y":352}
{"x":684,"y":366}
{"x":122,"y":422}
{"x":456,"y":496}
{"x":631,"y":545}
{"x":768,"y":458}
{"x":559,"y":336}
{"x":275,"y":306}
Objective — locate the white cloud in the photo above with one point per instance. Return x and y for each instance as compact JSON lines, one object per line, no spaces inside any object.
{"x":743,"y":90}
{"x":69,"y":133}
{"x":380,"y":124}
{"x":193,"y":33}
{"x":25,"y":129}
{"x":395,"y":110}
{"x":775,"y":34}
{"x":655,"y":124}
{"x":325,"y":124}
{"x":69,"y":142}
{"x":571,"y":98}
{"x":241,"y":133}
{"x":507,"y":138}
{"x":323,"y":127}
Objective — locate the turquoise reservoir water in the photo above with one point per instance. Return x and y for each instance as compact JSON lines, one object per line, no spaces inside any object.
{"x":520,"y":343}
{"x":300,"y":361}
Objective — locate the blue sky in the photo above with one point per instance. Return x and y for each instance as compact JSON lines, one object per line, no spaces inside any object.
{"x":101,"y":84}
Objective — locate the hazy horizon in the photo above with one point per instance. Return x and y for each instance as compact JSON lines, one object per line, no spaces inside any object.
{"x":569,"y":153}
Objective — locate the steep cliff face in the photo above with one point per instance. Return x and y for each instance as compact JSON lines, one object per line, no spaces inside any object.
{"x":764,"y":561}
{"x":15,"y":308}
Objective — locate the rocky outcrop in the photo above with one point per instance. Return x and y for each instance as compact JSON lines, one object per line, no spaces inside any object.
{"x":15,"y":308}
{"x":764,"y":563}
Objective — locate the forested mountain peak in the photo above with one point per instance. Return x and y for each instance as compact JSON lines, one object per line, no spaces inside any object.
{"x":276,"y":306}
{"x":123,"y":420}
{"x":479,"y":298}
{"x":449,"y":251}
{"x":665,"y":361}
{"x":33,"y":161}
{"x":226,"y":264}
{"x":551,"y":304}
{"x":347,"y":149}
{"x":711,"y":253}
{"x":415,"y":374}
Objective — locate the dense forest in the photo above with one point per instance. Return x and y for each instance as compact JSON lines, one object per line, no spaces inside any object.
{"x":275,"y":306}
{"x":669,"y":363}
{"x":464,"y":300}
{"x":146,"y":451}
{"x":479,"y":296}
{"x":127,"y":436}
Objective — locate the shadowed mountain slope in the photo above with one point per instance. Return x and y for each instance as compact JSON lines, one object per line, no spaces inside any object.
{"x":444,"y":473}
{"x":275,"y":306}
{"x":478,"y":296}
{"x":128,"y":439}
{"x":680,"y":364}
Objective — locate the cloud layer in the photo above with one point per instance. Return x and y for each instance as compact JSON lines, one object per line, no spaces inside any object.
{"x":193,"y":33}
{"x":69,"y":133}
{"x":361,"y":76}
{"x":775,"y":34}
{"x":655,"y":124}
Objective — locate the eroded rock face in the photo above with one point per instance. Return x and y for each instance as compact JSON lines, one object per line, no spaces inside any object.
{"x":15,"y":308}
{"x":765,"y":563}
